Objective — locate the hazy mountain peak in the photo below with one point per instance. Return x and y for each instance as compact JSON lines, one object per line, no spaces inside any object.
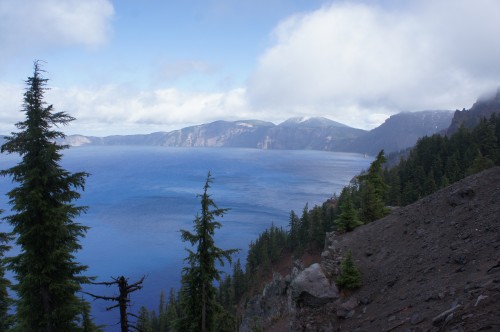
{"x":312,"y":122}
{"x":253,"y":123}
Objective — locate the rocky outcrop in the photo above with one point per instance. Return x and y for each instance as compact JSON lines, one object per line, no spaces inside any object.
{"x":312,"y":288}
{"x":286,"y":299}
{"x":483,"y":108}
{"x":273,"y":304}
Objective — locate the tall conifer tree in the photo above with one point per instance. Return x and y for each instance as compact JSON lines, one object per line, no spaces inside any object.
{"x":198,"y":294}
{"x":43,"y":211}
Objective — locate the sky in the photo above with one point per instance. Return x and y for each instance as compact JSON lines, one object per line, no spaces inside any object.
{"x":131,"y":66}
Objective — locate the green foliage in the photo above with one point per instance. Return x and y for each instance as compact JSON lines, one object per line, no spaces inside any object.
{"x":348,"y":219}
{"x":349,"y":276}
{"x":48,"y":275}
{"x":317,"y":229}
{"x":198,"y":295}
{"x":239,"y":282}
{"x":373,"y":190}
{"x":266,"y":250}
{"x":172,"y":312}
{"x":143,"y":320}
{"x":87,"y":322}
{"x":294,"y":231}
{"x":6,"y":319}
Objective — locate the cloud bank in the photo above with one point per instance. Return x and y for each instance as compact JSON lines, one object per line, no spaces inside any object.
{"x":353,"y":62}
{"x":358,"y":63}
{"x":118,"y":109}
{"x":31,"y":24}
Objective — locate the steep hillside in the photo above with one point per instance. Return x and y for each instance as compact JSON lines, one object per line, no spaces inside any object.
{"x":482,"y":108}
{"x":397,"y":133}
{"x":431,"y":266}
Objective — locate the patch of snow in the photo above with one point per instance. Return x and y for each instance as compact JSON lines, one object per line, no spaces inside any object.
{"x":245,"y":124}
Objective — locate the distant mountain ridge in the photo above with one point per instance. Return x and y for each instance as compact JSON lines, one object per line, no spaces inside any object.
{"x":398,"y":132}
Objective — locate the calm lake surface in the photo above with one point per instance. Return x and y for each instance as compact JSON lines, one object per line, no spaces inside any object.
{"x":140,"y":197}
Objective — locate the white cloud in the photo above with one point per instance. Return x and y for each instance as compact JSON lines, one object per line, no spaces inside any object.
{"x":115,"y":109}
{"x":357,"y":63}
{"x":118,"y":110}
{"x":11,"y":99}
{"x":32,"y":24}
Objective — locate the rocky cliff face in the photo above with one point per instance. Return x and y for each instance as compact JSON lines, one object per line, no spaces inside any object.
{"x":398,"y":132}
{"x":482,"y":108}
{"x":431,"y":266}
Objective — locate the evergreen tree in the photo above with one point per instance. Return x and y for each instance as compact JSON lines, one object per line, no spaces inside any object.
{"x":373,"y":190}
{"x":349,"y":276}
{"x":48,"y":275}
{"x":198,"y":294}
{"x":487,"y":139}
{"x":5,"y":300}
{"x":316,"y":228}
{"x":239,"y":281}
{"x":143,"y":321}
{"x":172,"y":314}
{"x":479,"y":164}
{"x":162,"y":317}
{"x":348,"y":218}
{"x":88,"y":324}
{"x":294,"y":229}
{"x":304,"y":228}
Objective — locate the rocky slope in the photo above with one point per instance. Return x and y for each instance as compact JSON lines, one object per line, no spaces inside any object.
{"x":431,"y":266}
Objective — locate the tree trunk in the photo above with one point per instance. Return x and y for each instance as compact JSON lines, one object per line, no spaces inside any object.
{"x":122,"y":301}
{"x":203,"y":309}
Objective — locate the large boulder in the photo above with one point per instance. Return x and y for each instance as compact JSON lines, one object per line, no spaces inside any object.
{"x":312,"y":288}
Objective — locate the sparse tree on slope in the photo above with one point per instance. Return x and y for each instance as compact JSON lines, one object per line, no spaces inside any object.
{"x":46,"y":270}
{"x":198,"y":294}
{"x":349,"y":276}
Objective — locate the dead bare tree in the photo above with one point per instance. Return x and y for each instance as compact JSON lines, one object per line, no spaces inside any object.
{"x":122,"y":299}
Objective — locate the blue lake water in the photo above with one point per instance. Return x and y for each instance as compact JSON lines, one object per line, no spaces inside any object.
{"x":140,"y":197}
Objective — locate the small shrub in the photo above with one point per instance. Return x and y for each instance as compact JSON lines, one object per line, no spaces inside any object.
{"x":349,"y":276}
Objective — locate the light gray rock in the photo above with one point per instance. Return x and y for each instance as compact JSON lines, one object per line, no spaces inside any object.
{"x":312,"y":288}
